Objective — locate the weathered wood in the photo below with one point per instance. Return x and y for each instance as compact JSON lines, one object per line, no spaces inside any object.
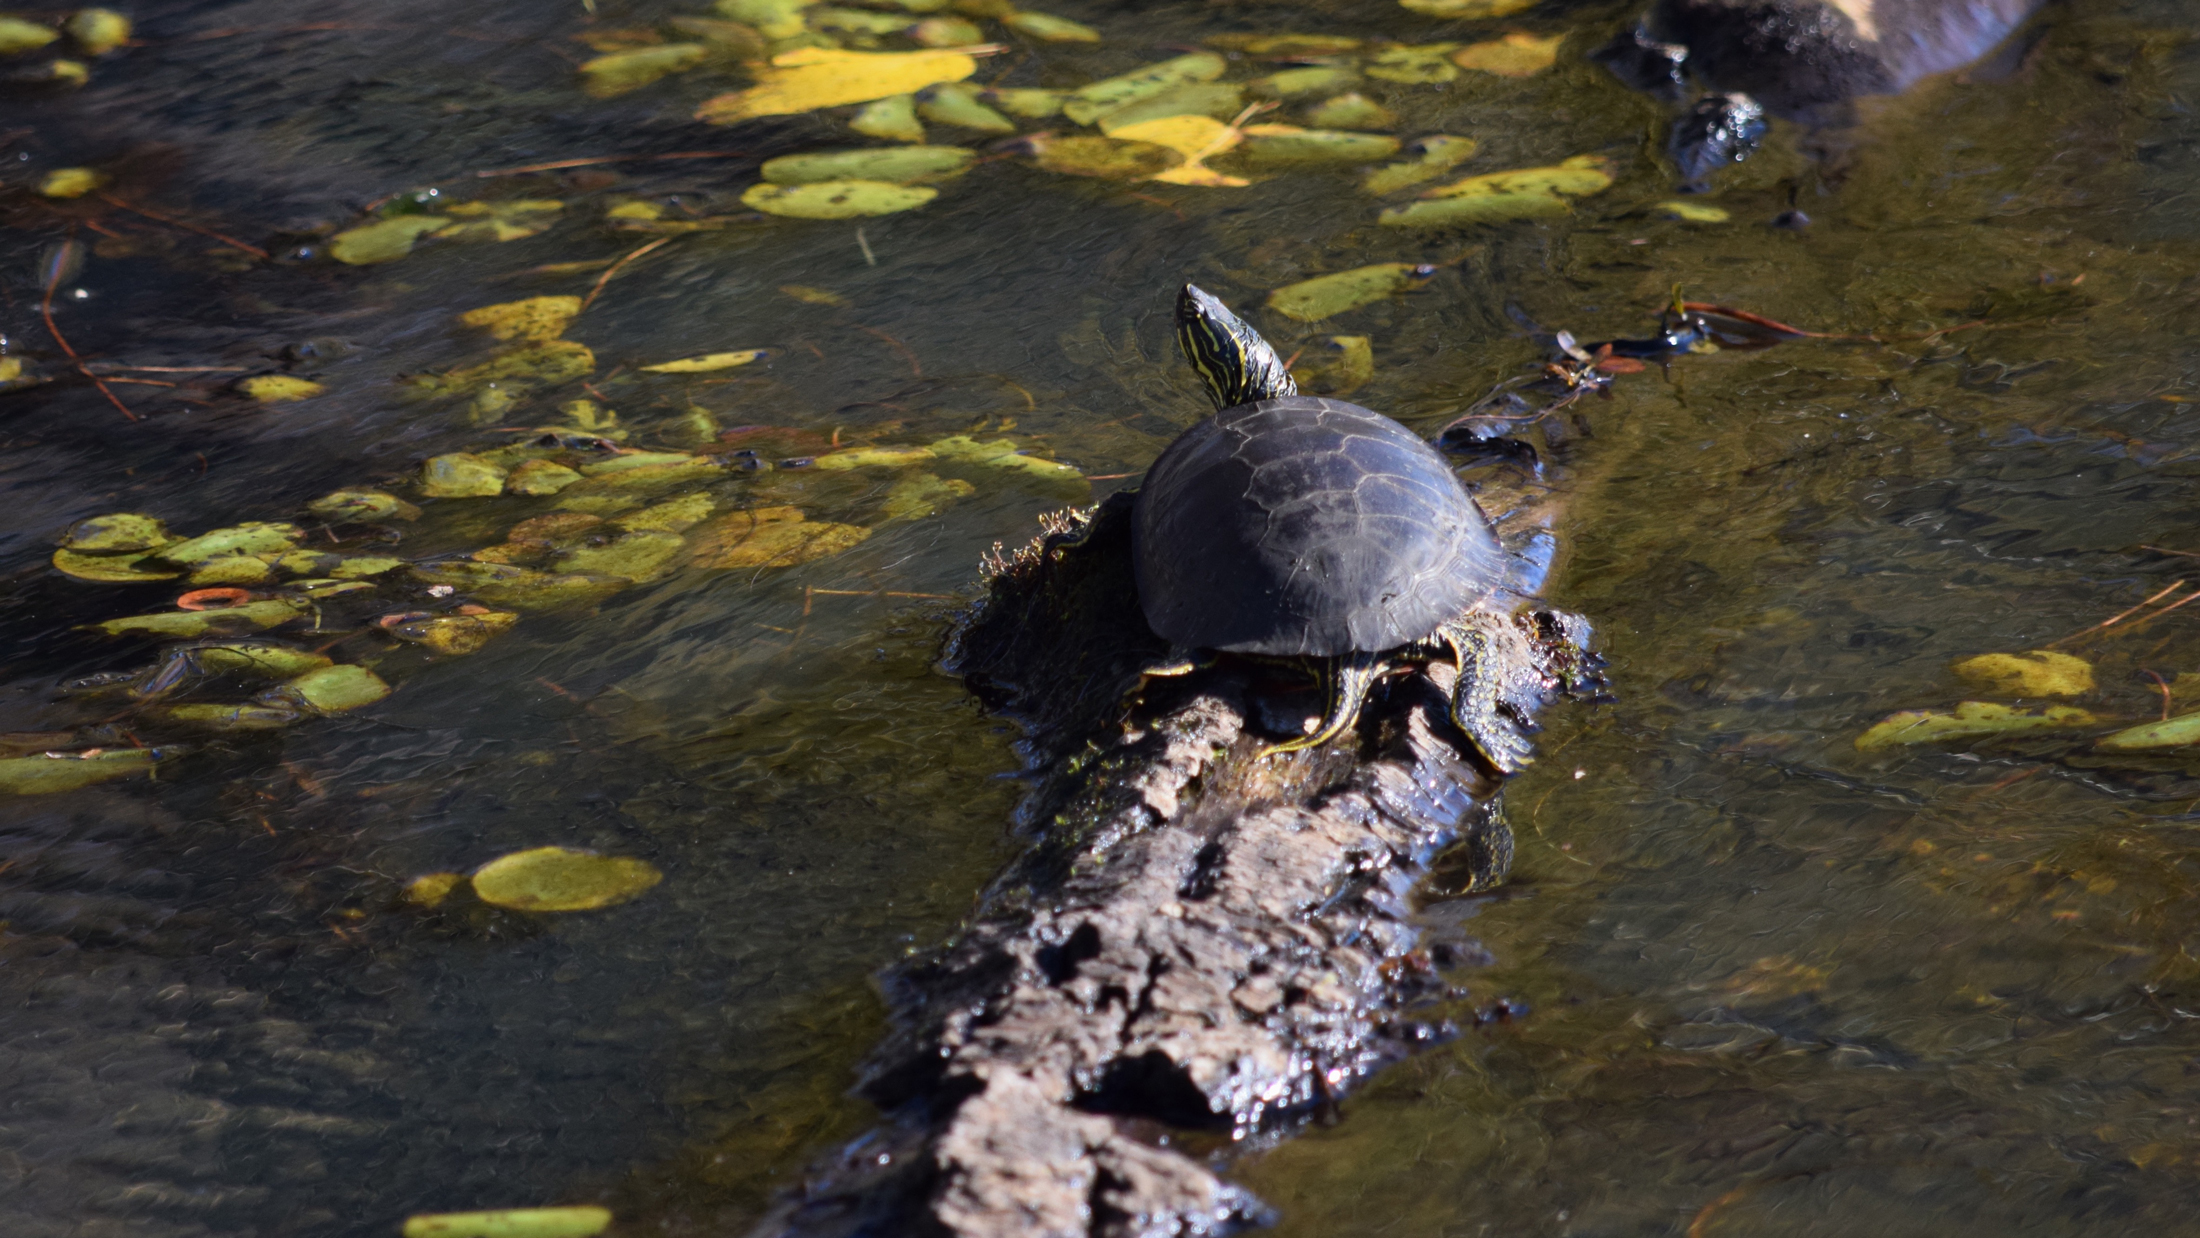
{"x":1200,"y":938}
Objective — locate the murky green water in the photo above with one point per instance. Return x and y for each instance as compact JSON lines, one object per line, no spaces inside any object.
{"x":1777,"y":985}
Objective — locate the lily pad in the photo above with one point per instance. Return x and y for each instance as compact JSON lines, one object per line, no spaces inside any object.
{"x":2180,"y":732}
{"x":264,"y":659}
{"x":460,"y":475}
{"x":582,"y":1221}
{"x":220,"y":717}
{"x":1216,"y":100}
{"x":512,"y":220}
{"x":814,"y":77}
{"x":1428,"y":64}
{"x":1115,"y":159}
{"x":946,"y":32}
{"x":1030,"y":104}
{"x":770,"y":537}
{"x":628,"y":461}
{"x":845,"y":199}
{"x":730,"y":39}
{"x":536,"y":318}
{"x":1468,"y":10}
{"x":1197,"y":139}
{"x":873,"y":457}
{"x":1516,"y":55}
{"x":233,"y":570}
{"x":190,"y":624}
{"x":560,"y":879}
{"x":48,"y":773}
{"x":540,"y":477}
{"x":923,"y":495}
{"x":1526,"y":193}
{"x":1271,"y":146}
{"x":1300,"y":82}
{"x":1050,"y":29}
{"x":383,"y":241}
{"x":332,"y":689}
{"x":893,"y":118}
{"x":1351,"y":110}
{"x":639,"y":556}
{"x":1003,"y":454}
{"x":671,"y":516}
{"x":1969,"y":720}
{"x":708,"y":362}
{"x":1433,"y":156}
{"x":774,"y":19}
{"x":110,"y":569}
{"x":546,"y":363}
{"x":118,"y":533}
{"x":957,"y":103}
{"x":1090,"y":103}
{"x":520,"y":588}
{"x":70,"y":182}
{"x":361,"y":506}
{"x":902,"y":165}
{"x":279,"y":388}
{"x":1326,"y":296}
{"x":255,"y":537}
{"x":2040,"y":672}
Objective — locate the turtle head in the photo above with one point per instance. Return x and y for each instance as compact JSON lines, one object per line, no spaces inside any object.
{"x":1233,"y":360}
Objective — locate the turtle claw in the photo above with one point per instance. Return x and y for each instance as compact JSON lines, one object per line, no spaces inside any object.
{"x":1475,"y":709}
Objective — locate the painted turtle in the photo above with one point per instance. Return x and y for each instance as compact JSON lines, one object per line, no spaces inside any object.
{"x":1294,"y":527}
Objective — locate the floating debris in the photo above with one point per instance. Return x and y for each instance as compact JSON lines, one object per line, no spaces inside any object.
{"x":2039,"y":672}
{"x":253,"y":537}
{"x":18,"y":36}
{"x":430,"y":891}
{"x":559,"y":879}
{"x":1970,"y":720}
{"x":1326,"y":296}
{"x":584,"y":1221}
{"x":98,"y":31}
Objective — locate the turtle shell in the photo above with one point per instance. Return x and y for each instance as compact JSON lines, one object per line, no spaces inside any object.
{"x":1307,"y":526}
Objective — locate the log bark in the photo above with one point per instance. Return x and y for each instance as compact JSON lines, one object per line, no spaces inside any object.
{"x":1200,"y":944}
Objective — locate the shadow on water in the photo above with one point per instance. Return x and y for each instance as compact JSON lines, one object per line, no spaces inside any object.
{"x":1772,"y":983}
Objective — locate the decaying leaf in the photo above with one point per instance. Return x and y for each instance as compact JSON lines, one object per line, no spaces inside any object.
{"x":2182,"y":731}
{"x":2040,"y":672}
{"x":1115,"y":159}
{"x":639,"y":556}
{"x":708,"y":362}
{"x":385,"y":240}
{"x":671,"y":516}
{"x":48,"y":773}
{"x":1433,"y":156}
{"x":1468,"y":10}
{"x":230,"y":717}
{"x":845,"y":199}
{"x":901,"y":165}
{"x":460,"y":475}
{"x":1287,"y":46}
{"x":191,"y":624}
{"x":233,"y":570}
{"x":1969,"y":720}
{"x":1498,"y":196}
{"x":815,"y":77}
{"x":1030,"y":104}
{"x":1003,"y":453}
{"x":1090,"y":103}
{"x":559,"y":879}
{"x":770,"y":537}
{"x":520,"y":588}
{"x":1351,"y":110}
{"x":893,"y":118}
{"x":1217,"y":100}
{"x":536,"y":318}
{"x":252,"y":537}
{"x":279,"y":388}
{"x":1325,"y":296}
{"x":1050,"y":29}
{"x":923,"y":495}
{"x":946,"y":32}
{"x":1516,"y":55}
{"x":1428,"y":64}
{"x":511,"y":220}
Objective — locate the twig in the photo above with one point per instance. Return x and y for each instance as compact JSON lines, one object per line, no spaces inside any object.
{"x":591,"y":160}
{"x":619,"y":266}
{"x":2163,"y":684}
{"x":45,"y":310}
{"x":906,"y":352}
{"x":178,"y":369}
{"x":2116,"y":619}
{"x":232,"y":242}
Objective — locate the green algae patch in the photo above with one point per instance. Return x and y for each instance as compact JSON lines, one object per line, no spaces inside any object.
{"x":845,"y":199}
{"x":2039,"y":672}
{"x":1969,"y":720}
{"x":580,"y":1221}
{"x":49,"y":773}
{"x":901,"y":165}
{"x":1325,"y":296}
{"x":385,"y":240}
{"x":191,"y":624}
{"x":561,"y":879}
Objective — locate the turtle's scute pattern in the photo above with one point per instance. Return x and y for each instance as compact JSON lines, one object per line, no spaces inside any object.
{"x":1305,"y":526}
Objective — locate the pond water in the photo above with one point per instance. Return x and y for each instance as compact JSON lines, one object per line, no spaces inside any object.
{"x":1774,"y":983}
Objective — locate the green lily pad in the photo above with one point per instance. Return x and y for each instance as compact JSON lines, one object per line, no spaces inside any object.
{"x":1433,"y":156}
{"x":925,"y":494}
{"x":1351,"y":110}
{"x":640,"y":556}
{"x":562,"y":879}
{"x":1027,"y":103}
{"x":2179,"y":732}
{"x":1049,"y":28}
{"x":331,"y":689}
{"x":1275,"y":146}
{"x":264,"y":659}
{"x":1299,"y":83}
{"x":582,"y":1221}
{"x":1325,"y":296}
{"x":540,"y":477}
{"x":2040,"y":672}
{"x":47,"y":774}
{"x":119,"y":533}
{"x":900,"y":165}
{"x":233,"y":570}
{"x":231,"y":717}
{"x":110,"y":569}
{"x":1115,"y":159}
{"x":361,"y":506}
{"x":1090,"y":103}
{"x":385,"y":240}
{"x":1969,"y":720}
{"x":671,"y":516}
{"x":957,"y":103}
{"x":455,"y":635}
{"x":190,"y":624}
{"x":1426,"y":65}
{"x":846,"y":199}
{"x":460,"y":475}
{"x":893,"y":118}
{"x":256,"y":537}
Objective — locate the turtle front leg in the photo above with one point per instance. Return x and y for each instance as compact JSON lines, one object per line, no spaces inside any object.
{"x":1346,"y":681}
{"x":1474,"y":700}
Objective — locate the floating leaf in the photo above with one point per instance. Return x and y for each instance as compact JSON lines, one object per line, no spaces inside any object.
{"x":70,"y":182}
{"x":850,"y":199}
{"x":2040,"y":672}
{"x":922,"y":495}
{"x":1694,"y":212}
{"x":1468,"y":9}
{"x":774,"y":19}
{"x":384,"y":241}
{"x":331,"y":690}
{"x":770,"y":537}
{"x":558,"y":879}
{"x":1969,"y":720}
{"x":813,"y":296}
{"x":855,"y":21}
{"x":540,"y":477}
{"x":1197,"y":139}
{"x":1050,"y":29}
{"x":814,"y":77}
{"x":259,"y":658}
{"x":1296,"y":83}
{"x":627,"y":461}
{"x":233,"y":570}
{"x":1108,"y":94}
{"x":1325,"y":296}
{"x":1272,"y":146}
{"x":1434,"y":155}
{"x":620,"y":72}
{"x":1340,"y":365}
{"x":1287,"y":46}
{"x":2179,"y":732}
{"x":511,"y":220}
{"x":1217,"y":100}
{"x":1031,"y":104}
{"x":1108,"y":158}
{"x":708,"y":362}
{"x":232,"y":717}
{"x":1003,"y":454}
{"x":118,"y":533}
{"x":737,"y":40}
{"x":520,"y":588}
{"x":253,"y":537}
{"x":18,"y":36}
{"x":361,"y":505}
{"x":671,"y":516}
{"x":536,"y":318}
{"x":545,"y":364}
{"x":189,"y":624}
{"x":873,"y":457}
{"x":1515,"y":55}
{"x":99,"y":31}
{"x":460,"y":475}
{"x":1499,"y":196}
{"x":1426,"y":65}
{"x":893,"y":118}
{"x":956,"y":103}
{"x":337,"y":567}
{"x":946,"y":32}
{"x":430,"y":891}
{"x":279,"y":388}
{"x":111,"y":569}
{"x":1352,"y":110}
{"x":905,"y":165}
{"x":48,"y":773}
{"x":574,"y":1222}
{"x":637,"y":557}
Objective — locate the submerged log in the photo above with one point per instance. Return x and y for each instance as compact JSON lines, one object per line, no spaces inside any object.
{"x":1201,"y":943}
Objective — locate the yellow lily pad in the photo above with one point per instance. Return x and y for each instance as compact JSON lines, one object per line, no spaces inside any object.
{"x":1969,"y":720}
{"x":923,"y":495}
{"x":70,"y":182}
{"x":1694,"y":212}
{"x":708,"y":362}
{"x":1428,"y":64}
{"x":539,"y":477}
{"x":1516,"y":55}
{"x":1197,"y":139}
{"x":770,"y":537}
{"x":114,"y":569}
{"x":1114,"y":159}
{"x":332,"y":689}
{"x":116,"y":534}
{"x":843,"y":199}
{"x":385,"y":240}
{"x":536,"y":318}
{"x":250,"y":538}
{"x":460,"y":475}
{"x":18,"y":36}
{"x":49,"y":773}
{"x":815,"y":77}
{"x":2040,"y":672}
{"x":98,"y":31}
{"x":893,"y":118}
{"x":1002,"y":453}
{"x":620,"y":72}
{"x":559,"y":879}
{"x":1271,"y":146}
{"x":575,"y":1222}
{"x":1050,"y":29}
{"x":512,"y":220}
{"x":1433,"y":156}
{"x":902,"y":165}
{"x":1325,"y":296}
{"x":190,"y":624}
{"x":1468,"y":10}
{"x":1090,"y":103}
{"x":430,"y":890}
{"x":1351,"y":110}
{"x":1300,"y":82}
{"x":1525,"y":193}
{"x":279,"y":388}
{"x":2179,"y":732}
